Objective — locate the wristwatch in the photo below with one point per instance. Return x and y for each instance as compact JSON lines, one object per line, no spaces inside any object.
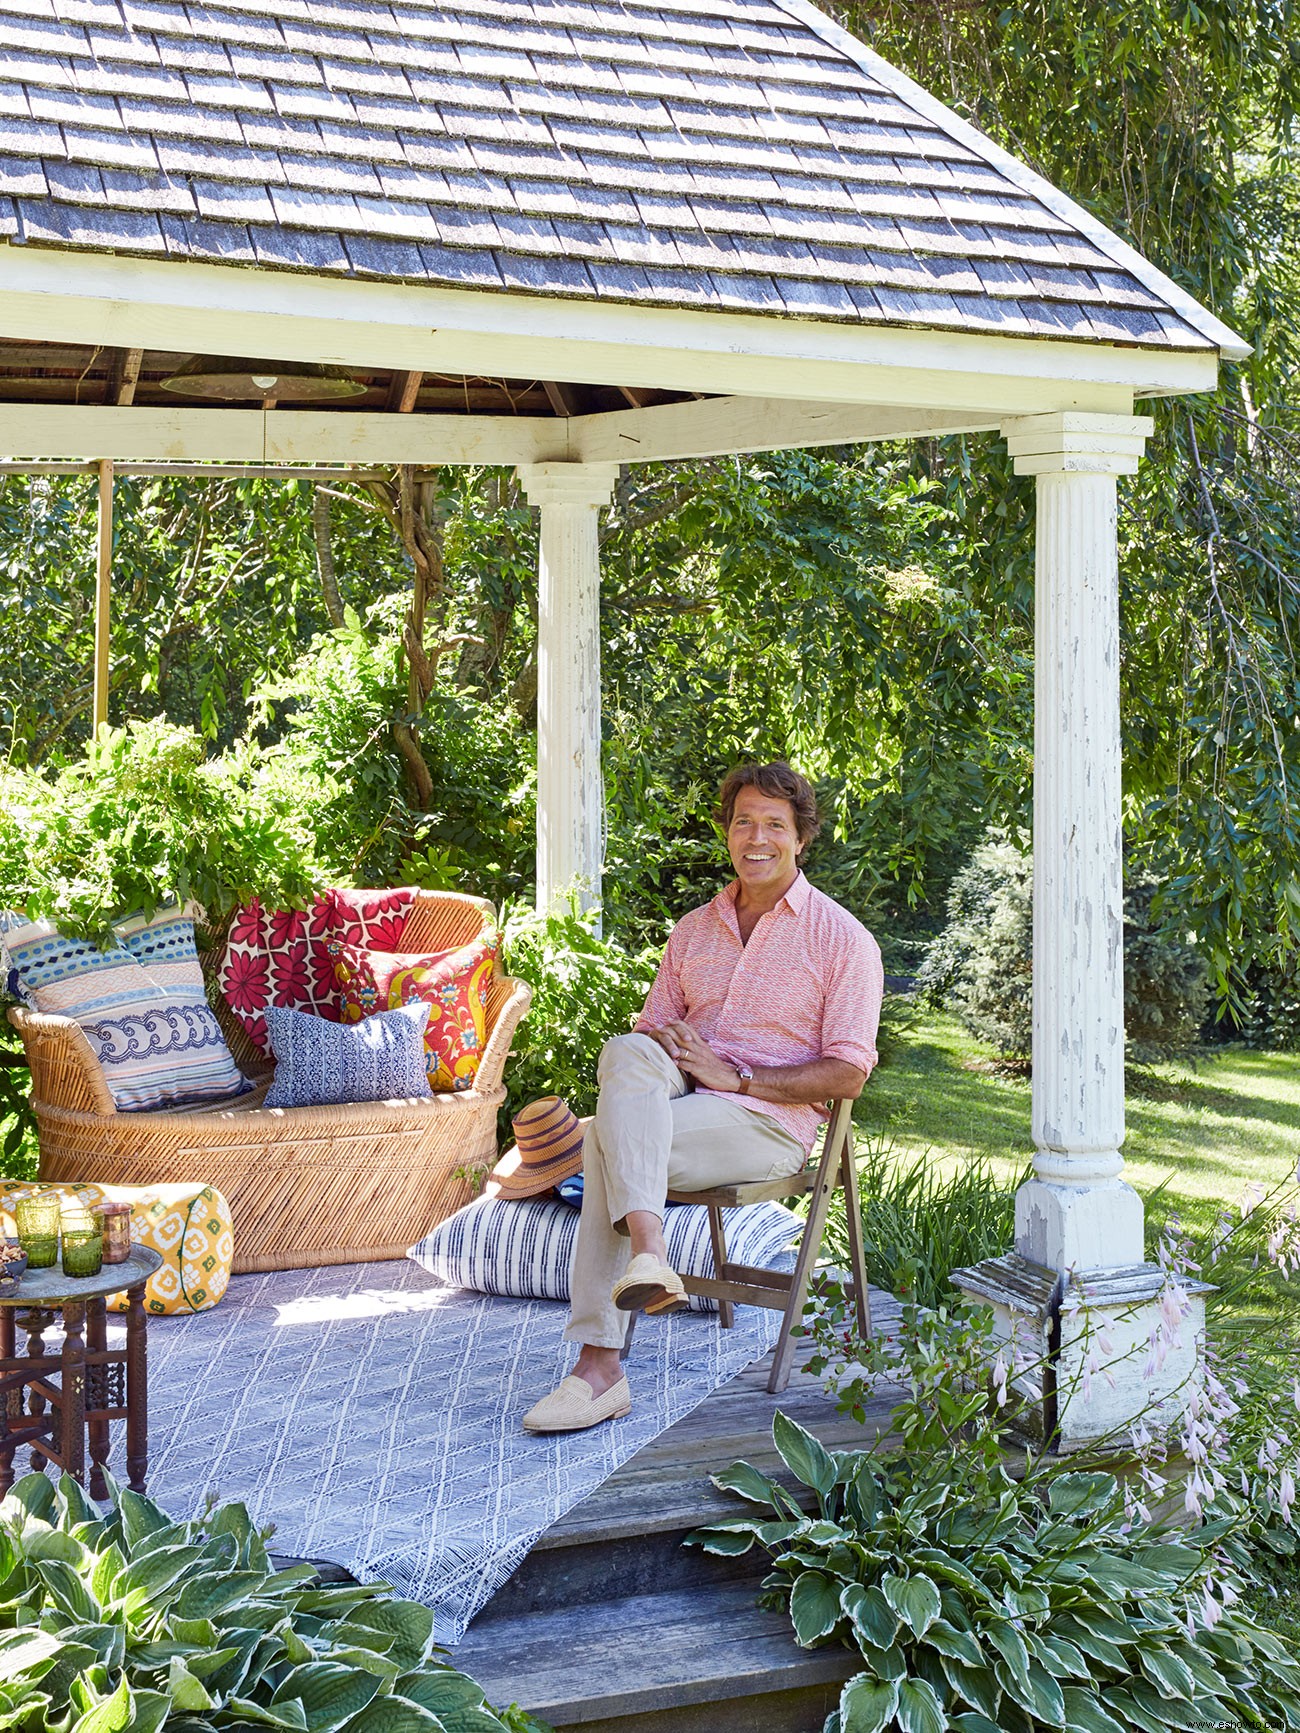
{"x":746,"y":1076}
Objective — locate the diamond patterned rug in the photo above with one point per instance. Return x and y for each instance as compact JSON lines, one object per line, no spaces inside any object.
{"x":373,"y":1416}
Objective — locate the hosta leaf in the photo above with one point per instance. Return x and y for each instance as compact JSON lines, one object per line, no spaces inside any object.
{"x":1045,"y":1698}
{"x":873,"y":1617}
{"x":867,"y":1706}
{"x":914,"y":1599}
{"x":141,"y":1517}
{"x":1170,"y":1676}
{"x":34,"y":1493}
{"x":406,"y":1622}
{"x":149,"y":1712}
{"x":105,"y":1574}
{"x":143,"y":1581}
{"x":1010,"y":1645}
{"x":814,"y":1605}
{"x":75,"y":1506}
{"x":205,"y":1597}
{"x":1081,"y":1494}
{"x":68,"y":1591}
{"x":919,"y":1710}
{"x":289,"y":1714}
{"x":884,"y":1663}
{"x":1092,"y":1643}
{"x":1060,"y":1658}
{"x":1085,"y":1714}
{"x":113,"y":1715}
{"x":805,"y":1456}
{"x":107,"y":1641}
{"x":744,"y":1479}
{"x":974,"y":1685}
{"x":1119,"y":1578}
{"x":53,"y":1543}
{"x":725,"y":1539}
{"x":384,"y":1669}
{"x":1173,"y":1711}
{"x":973,"y":1722}
{"x":330,"y":1695}
{"x":184,"y":1689}
{"x":961,"y":1645}
{"x":442,"y":1690}
{"x":862,"y":1495}
{"x":1132,"y":1711}
{"x":28,"y":1651}
{"x":471,"y":1720}
{"x":395,"y":1715}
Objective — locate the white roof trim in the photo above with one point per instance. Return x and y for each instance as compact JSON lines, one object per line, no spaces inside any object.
{"x":1230,"y":345}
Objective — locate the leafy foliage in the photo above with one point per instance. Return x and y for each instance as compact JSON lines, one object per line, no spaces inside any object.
{"x":144,"y":818}
{"x":585,"y":989}
{"x":131,"y":1622}
{"x":981,"y":965}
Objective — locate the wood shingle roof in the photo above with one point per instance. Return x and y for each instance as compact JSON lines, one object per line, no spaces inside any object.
{"x":741,"y":155}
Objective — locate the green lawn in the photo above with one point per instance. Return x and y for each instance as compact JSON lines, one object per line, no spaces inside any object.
{"x":1201,"y":1131}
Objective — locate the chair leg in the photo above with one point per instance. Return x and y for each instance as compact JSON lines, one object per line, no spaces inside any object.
{"x":810,"y":1246}
{"x":717,"y":1233}
{"x":626,"y":1349}
{"x":853,"y":1219}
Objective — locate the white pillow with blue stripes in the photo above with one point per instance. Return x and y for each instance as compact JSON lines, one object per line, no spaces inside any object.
{"x":524,"y":1248}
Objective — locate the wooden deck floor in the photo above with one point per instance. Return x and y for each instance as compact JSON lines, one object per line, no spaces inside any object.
{"x":666,"y":1484}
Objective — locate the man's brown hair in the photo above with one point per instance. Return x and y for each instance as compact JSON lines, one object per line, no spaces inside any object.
{"x":778,"y":782}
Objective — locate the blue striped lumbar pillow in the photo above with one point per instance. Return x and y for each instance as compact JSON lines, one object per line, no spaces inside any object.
{"x":524,"y":1249}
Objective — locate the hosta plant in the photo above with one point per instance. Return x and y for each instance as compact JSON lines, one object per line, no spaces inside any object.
{"x":1003,"y":1606}
{"x":130,"y":1622}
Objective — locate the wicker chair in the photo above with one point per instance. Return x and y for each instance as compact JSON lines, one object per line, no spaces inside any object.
{"x":306,"y":1185}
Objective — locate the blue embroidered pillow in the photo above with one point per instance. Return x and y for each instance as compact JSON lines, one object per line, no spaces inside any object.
{"x":157,"y":1042}
{"x":323,"y":1064}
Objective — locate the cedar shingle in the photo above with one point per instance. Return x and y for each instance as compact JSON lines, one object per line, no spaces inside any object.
{"x":684,"y":152}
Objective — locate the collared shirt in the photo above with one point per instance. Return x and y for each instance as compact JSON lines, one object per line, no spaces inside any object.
{"x":807,"y":986}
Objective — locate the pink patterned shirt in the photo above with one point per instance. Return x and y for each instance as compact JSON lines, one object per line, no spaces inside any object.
{"x":807,"y":986}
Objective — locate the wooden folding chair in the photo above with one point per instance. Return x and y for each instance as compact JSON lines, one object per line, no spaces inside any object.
{"x":745,"y":1284}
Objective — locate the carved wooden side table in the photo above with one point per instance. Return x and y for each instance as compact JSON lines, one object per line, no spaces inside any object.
{"x":59,"y":1402}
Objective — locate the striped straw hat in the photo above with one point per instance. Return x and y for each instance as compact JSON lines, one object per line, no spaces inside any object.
{"x":548,"y":1149}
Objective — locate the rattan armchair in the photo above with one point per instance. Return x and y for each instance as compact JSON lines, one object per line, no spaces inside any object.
{"x":306,"y":1185}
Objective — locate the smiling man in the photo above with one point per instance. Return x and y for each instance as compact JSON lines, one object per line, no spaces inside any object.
{"x":764,"y":1008}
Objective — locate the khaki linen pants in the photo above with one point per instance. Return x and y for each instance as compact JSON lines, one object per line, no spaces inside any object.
{"x":649,"y":1134}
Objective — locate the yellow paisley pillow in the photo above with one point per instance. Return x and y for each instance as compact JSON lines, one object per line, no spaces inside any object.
{"x":189,"y":1225}
{"x":454,"y":985}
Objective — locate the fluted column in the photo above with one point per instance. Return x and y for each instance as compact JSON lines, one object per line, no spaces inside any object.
{"x":1076,"y":1212}
{"x":570,"y":793}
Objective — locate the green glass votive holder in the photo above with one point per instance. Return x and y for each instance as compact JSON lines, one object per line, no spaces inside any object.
{"x":83,"y":1248}
{"x":38,"y":1229}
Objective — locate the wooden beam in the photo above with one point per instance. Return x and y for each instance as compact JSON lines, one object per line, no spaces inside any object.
{"x":563,"y":399}
{"x":103,"y":593}
{"x":639,"y":398}
{"x":716,"y":426}
{"x":124,"y":376}
{"x":402,"y":392}
{"x":210,"y":471}
{"x":291,"y":437}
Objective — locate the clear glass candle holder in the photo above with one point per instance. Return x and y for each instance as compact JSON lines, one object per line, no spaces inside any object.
{"x":83,"y":1246}
{"x":38,"y":1229}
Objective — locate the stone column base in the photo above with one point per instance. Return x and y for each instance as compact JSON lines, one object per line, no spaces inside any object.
{"x":1084,"y":1339}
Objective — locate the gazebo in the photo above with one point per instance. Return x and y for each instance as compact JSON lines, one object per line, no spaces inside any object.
{"x":569,"y":235}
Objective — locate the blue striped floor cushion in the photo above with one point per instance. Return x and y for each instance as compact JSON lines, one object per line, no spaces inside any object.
{"x":157,"y":1041}
{"x":524,"y":1249}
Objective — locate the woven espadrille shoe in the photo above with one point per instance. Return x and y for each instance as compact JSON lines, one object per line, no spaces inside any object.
{"x":649,"y":1286}
{"x":573,"y":1406}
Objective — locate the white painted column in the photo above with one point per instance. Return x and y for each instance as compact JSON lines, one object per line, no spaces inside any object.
{"x":570,"y":793}
{"x":1077,"y":1213}
{"x":1075,"y":1300}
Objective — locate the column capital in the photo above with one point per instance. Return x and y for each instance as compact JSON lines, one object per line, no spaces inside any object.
{"x":1070,"y":442}
{"x":590,"y":484}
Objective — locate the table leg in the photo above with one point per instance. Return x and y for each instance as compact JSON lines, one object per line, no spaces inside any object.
{"x":12,"y":1407}
{"x":33,"y":1322}
{"x":97,"y":1390}
{"x":72,"y":1385}
{"x":137,"y":1389}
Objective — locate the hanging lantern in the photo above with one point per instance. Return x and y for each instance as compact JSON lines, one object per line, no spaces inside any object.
{"x":237,"y":379}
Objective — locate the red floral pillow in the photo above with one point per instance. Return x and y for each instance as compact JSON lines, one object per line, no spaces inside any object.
{"x":454,"y":984}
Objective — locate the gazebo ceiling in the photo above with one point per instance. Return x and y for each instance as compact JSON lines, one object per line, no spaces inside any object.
{"x":86,"y":374}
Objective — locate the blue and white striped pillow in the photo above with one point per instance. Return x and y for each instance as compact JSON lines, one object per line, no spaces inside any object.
{"x":524,"y":1249}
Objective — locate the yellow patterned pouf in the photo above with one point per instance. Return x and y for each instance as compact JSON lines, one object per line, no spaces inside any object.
{"x":189,"y":1225}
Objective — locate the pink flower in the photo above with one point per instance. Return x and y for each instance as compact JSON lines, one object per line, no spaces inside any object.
{"x":286,"y":926}
{"x":244,"y":982}
{"x":246,"y":927}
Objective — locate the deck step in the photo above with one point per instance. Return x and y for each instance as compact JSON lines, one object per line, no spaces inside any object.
{"x":701,"y":1659}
